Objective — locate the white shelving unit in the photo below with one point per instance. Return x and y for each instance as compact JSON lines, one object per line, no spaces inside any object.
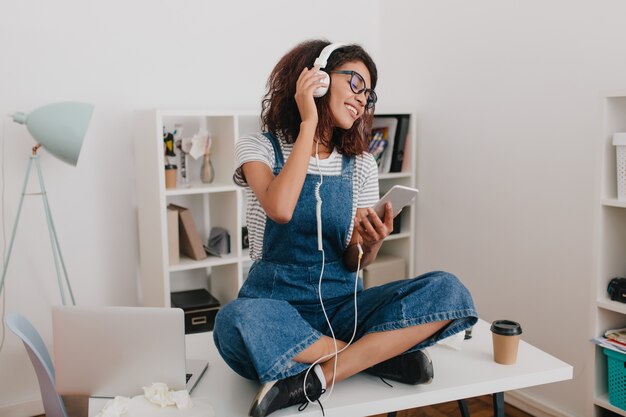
{"x":611,"y":251}
{"x":220,"y":203}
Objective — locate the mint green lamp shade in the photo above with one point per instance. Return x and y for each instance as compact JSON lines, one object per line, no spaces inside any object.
{"x":59,"y":127}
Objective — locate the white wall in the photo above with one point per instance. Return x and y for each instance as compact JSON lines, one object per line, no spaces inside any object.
{"x":507,"y":96}
{"x":123,"y":56}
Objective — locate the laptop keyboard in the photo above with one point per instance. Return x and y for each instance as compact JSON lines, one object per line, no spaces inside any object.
{"x":187,"y":377}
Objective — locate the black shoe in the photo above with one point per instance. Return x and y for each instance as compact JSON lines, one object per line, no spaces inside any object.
{"x":284,"y":393}
{"x":411,"y":368}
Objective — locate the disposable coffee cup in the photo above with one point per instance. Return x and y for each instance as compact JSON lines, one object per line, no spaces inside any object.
{"x":170,"y":176}
{"x":506,"y":335}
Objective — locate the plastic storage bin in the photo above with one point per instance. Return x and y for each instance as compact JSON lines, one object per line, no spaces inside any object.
{"x":619,"y":140}
{"x":617,"y":377}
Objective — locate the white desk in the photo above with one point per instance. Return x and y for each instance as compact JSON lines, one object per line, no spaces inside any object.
{"x":467,"y":373}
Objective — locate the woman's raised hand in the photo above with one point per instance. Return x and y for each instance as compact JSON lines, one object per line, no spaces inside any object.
{"x":308,"y":81}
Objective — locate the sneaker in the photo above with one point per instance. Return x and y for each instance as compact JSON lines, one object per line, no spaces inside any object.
{"x":411,"y":368}
{"x":284,"y":393}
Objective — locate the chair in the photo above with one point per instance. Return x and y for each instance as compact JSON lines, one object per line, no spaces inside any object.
{"x":38,"y":353}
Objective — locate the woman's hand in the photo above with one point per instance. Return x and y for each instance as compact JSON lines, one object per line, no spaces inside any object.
{"x":371,"y":228}
{"x":369,"y":231}
{"x":308,"y":81}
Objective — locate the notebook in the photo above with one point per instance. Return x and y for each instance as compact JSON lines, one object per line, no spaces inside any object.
{"x":111,"y":351}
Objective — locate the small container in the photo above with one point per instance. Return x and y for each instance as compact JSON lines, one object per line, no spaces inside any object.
{"x":200,"y":309}
{"x":506,"y":335}
{"x":616,"y":364}
{"x":170,"y":175}
{"x":619,"y":140}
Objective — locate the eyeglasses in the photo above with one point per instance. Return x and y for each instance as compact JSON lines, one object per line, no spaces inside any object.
{"x":357,"y":85}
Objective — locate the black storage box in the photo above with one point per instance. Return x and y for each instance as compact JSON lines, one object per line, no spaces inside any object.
{"x":200,"y":308}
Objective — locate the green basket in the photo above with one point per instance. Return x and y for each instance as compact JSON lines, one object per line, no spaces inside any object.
{"x":617,"y":378}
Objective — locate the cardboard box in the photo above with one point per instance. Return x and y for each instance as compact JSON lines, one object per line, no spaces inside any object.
{"x":384,"y":269}
{"x":200,"y":309}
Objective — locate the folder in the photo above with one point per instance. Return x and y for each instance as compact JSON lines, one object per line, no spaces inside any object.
{"x":189,"y":238}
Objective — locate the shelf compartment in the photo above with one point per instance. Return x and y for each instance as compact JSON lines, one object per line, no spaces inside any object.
{"x":222,"y":130}
{"x":223,"y":282}
{"x":615,"y":121}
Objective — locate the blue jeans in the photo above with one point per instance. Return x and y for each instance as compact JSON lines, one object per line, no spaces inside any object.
{"x":259,"y":337}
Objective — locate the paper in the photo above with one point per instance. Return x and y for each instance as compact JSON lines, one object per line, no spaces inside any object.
{"x":114,"y":408}
{"x":158,"y":401}
{"x":160,"y":394}
{"x":200,"y":144}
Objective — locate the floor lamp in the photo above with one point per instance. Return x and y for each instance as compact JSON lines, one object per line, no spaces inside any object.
{"x":60,"y":129}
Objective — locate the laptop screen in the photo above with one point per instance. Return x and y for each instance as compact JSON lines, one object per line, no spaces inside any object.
{"x":111,"y":351}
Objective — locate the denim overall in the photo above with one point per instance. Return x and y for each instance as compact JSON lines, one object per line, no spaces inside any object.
{"x":278,"y":314}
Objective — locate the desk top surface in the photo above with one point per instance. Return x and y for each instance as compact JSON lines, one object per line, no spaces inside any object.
{"x":464,"y":373}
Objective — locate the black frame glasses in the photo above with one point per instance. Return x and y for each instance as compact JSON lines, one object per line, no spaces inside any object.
{"x":370,"y":94}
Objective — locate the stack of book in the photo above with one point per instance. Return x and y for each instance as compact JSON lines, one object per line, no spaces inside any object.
{"x":614,"y":339}
{"x":388,"y":144}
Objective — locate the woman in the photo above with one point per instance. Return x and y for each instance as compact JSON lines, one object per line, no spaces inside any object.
{"x":315,"y":149}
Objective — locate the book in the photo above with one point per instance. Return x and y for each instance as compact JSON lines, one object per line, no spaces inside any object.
{"x":609,"y":344}
{"x":378,"y":143}
{"x":189,"y":238}
{"x":402,"y":132}
{"x":387,"y":126}
{"x":618,"y":335}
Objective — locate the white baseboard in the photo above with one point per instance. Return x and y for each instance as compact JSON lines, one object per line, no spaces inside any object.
{"x":24,"y":409}
{"x":532,"y":406}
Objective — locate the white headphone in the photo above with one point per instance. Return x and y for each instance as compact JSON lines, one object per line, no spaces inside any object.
{"x":321,"y":61}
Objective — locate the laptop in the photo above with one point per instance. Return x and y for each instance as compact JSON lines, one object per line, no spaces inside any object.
{"x":111,"y":351}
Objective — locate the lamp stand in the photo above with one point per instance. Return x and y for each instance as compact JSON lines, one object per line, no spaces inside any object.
{"x":54,"y":241}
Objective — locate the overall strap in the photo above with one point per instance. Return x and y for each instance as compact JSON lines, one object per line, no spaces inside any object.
{"x":347,"y":167}
{"x":278,"y":154}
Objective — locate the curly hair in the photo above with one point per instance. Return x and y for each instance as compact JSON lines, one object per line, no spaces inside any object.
{"x":279,"y":111}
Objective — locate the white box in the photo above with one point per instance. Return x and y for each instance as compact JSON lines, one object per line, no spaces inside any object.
{"x":619,"y":140}
{"x":384,"y":269}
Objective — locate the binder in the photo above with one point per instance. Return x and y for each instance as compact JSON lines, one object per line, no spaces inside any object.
{"x":399,"y":145}
{"x":173,"y":247}
{"x":189,"y":238}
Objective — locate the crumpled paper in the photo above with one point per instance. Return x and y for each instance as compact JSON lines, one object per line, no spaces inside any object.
{"x":157,"y":400}
{"x":160,"y":394}
{"x":115,"y":408}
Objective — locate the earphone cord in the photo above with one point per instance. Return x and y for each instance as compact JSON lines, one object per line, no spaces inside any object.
{"x":318,"y":199}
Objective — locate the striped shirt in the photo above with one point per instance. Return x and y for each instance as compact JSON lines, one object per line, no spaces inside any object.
{"x":257,"y":147}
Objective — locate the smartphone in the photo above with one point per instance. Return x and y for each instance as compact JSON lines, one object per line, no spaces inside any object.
{"x":399,"y":196}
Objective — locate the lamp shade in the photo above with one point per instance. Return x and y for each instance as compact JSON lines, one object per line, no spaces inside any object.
{"x":59,"y":127}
